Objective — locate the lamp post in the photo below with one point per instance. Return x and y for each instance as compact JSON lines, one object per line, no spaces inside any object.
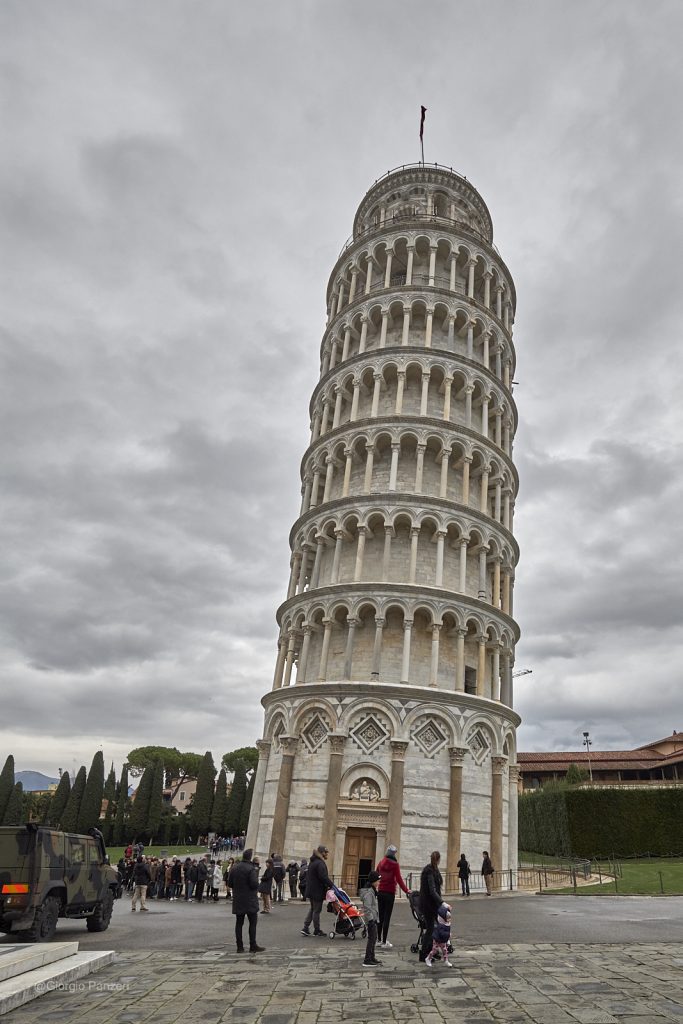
{"x":588,"y":743}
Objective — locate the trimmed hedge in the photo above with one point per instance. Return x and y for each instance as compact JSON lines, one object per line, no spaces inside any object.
{"x":602,"y":823}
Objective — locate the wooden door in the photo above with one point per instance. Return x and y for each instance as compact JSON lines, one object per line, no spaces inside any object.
{"x":359,"y":858}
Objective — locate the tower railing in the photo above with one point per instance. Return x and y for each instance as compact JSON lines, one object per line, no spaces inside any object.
{"x":401,"y":217}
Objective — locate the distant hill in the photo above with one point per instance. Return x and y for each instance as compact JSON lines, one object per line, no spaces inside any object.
{"x":33,"y":780}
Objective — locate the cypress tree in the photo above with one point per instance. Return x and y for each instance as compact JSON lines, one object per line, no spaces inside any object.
{"x":6,"y":784}
{"x":110,"y":786}
{"x":220,"y":804}
{"x":91,"y":804}
{"x":246,"y":806}
{"x":236,"y":800}
{"x":14,"y":809}
{"x":120,"y":824}
{"x":56,"y":807}
{"x":139,"y":815}
{"x":200,"y":812}
{"x":73,"y":804}
{"x":156,"y":800}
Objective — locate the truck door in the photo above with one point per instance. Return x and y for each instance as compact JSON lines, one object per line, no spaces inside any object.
{"x":75,"y":871}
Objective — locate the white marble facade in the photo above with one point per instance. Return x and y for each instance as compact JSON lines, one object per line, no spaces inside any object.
{"x":392,"y":699}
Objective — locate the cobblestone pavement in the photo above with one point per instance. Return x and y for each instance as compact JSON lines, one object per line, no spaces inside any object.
{"x":543,"y":983}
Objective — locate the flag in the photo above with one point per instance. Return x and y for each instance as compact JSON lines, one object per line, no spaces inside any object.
{"x":423,"y":111}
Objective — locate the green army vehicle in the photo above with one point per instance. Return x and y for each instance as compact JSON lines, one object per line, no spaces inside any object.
{"x":46,"y":874}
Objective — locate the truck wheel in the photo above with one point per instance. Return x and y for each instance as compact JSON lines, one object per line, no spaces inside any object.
{"x":45,"y":921}
{"x":99,"y":921}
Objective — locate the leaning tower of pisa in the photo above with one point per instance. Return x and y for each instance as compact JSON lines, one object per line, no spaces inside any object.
{"x":390,"y":718}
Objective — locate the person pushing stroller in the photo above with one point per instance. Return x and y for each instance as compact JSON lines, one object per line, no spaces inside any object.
{"x":441,"y":936}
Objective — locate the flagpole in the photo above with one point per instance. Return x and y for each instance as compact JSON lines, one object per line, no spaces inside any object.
{"x":422,"y":148}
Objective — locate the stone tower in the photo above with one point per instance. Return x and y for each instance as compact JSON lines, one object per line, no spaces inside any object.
{"x":390,"y":717}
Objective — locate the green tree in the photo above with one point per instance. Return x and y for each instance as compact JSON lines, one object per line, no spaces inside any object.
{"x":58,"y":802}
{"x":200,"y":811}
{"x":220,"y":804}
{"x":156,"y":800}
{"x":14,"y":808}
{"x":110,"y":786}
{"x":139,"y":815}
{"x":120,"y":820}
{"x":73,"y":804}
{"x":575,"y":775}
{"x":91,"y":804}
{"x":246,"y":806}
{"x":248,"y":756}
{"x":177,"y":765}
{"x":6,"y":784}
{"x":236,"y":800}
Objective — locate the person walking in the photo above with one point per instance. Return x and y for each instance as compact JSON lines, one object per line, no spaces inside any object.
{"x":317,"y":884}
{"x":265,"y":886}
{"x":368,"y":895}
{"x":141,"y":879}
{"x":389,"y":878}
{"x":243,"y":881}
{"x":487,"y":870}
{"x":464,"y":873}
{"x":293,"y":875}
{"x":441,"y":936}
{"x":430,"y":900}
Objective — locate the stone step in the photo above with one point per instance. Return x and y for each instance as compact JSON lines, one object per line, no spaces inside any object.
{"x":22,"y":988}
{"x":15,"y":960}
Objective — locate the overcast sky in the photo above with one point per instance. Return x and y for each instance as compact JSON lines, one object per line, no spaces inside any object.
{"x":176,"y":183}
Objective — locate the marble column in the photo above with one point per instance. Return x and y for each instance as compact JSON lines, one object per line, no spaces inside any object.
{"x":257,"y":795}
{"x":513,"y":834}
{"x":496,"y":848}
{"x":395,"y":812}
{"x":284,"y":789}
{"x":453,"y":843}
{"x":334,"y":774}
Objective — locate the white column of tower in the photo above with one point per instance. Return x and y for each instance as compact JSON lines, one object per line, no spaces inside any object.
{"x":396,"y":642}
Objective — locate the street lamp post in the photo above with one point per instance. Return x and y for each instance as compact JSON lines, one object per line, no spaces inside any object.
{"x":588,"y":743}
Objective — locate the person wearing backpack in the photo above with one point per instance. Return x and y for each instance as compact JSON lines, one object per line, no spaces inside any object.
{"x":464,"y":873}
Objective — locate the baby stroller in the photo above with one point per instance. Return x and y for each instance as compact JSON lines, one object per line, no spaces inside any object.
{"x":414,"y":901}
{"x":349,"y":918}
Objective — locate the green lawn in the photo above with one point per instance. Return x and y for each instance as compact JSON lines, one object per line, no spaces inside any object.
{"x":115,"y":852}
{"x":639,"y":877}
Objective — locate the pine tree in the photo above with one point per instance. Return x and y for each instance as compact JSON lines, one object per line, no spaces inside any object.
{"x":120,"y":823}
{"x":220,"y":804}
{"x":73,"y":804}
{"x":200,"y":812}
{"x":91,"y":804}
{"x":14,"y":808}
{"x":156,"y":800}
{"x":6,"y":784}
{"x":110,"y":797}
{"x":236,"y":800}
{"x":246,"y":806}
{"x":56,"y":807}
{"x":139,"y":815}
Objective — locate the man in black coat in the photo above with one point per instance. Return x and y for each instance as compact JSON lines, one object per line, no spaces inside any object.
{"x":141,"y":879}
{"x":430,"y":900}
{"x":243,"y":880}
{"x":317,"y":884}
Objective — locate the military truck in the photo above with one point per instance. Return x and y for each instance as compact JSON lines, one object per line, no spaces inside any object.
{"x":46,"y":874}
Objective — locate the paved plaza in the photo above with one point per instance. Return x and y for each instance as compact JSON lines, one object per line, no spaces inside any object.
{"x":161,"y":977}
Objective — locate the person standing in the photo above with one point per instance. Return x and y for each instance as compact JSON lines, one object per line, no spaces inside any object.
{"x":265,"y":886}
{"x":303,"y":875}
{"x":389,"y":878}
{"x":202,"y":873}
{"x":243,"y":881}
{"x":279,"y":877}
{"x":176,"y":879}
{"x":189,"y":882}
{"x":368,"y":895}
{"x":430,"y":900}
{"x":441,"y":936}
{"x":293,"y":875}
{"x":487,"y":871}
{"x":464,"y":873}
{"x":141,"y":879}
{"x":317,"y":884}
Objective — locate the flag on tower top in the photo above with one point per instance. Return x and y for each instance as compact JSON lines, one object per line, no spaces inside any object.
{"x":423,"y":111}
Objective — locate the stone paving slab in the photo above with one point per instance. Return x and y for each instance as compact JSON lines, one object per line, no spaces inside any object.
{"x":508,"y":984}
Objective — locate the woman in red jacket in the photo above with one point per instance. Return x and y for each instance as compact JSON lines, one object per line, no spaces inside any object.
{"x":389,"y":878}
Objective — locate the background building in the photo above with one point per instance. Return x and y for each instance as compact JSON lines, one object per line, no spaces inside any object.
{"x":654,"y":764}
{"x":390,"y":719}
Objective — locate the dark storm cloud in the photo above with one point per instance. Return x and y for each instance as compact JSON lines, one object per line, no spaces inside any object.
{"x":177,"y":184}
